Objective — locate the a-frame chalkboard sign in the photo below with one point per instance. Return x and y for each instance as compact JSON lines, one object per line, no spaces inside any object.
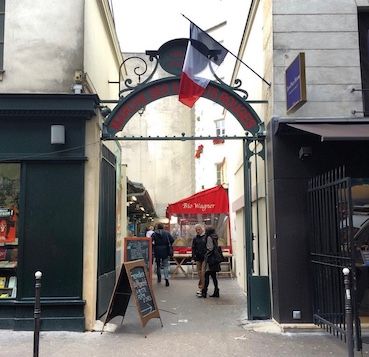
{"x":133,"y":280}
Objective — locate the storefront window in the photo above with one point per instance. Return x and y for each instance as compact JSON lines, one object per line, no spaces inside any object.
{"x":9,"y":195}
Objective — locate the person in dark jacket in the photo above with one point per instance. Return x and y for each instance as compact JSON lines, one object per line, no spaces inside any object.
{"x":212,"y":267}
{"x":198,"y":256}
{"x":162,"y":242}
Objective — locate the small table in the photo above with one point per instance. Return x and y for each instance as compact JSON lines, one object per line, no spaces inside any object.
{"x":180,"y":259}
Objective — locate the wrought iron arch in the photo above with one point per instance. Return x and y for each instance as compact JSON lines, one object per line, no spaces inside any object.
{"x":169,"y":86}
{"x":170,"y":56}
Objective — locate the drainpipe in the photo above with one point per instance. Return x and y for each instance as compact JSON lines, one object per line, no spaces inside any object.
{"x":247,"y":224}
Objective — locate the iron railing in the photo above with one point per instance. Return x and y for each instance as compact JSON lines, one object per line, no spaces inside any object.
{"x":331,"y":250}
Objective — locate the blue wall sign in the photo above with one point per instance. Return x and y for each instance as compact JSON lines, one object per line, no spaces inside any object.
{"x":296,"y":83}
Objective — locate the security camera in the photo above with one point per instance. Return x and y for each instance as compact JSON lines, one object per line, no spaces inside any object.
{"x":305,"y":152}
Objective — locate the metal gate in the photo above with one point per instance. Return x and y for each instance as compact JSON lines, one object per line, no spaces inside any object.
{"x":107,"y":232}
{"x":332,"y":249}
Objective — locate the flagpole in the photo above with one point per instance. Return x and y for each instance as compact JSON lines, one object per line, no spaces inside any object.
{"x":237,"y":58}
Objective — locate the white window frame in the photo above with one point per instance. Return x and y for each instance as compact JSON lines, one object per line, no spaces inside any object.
{"x":220,"y":127}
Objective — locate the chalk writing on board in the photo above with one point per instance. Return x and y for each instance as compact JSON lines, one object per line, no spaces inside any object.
{"x":137,"y":250}
{"x":142,"y":290}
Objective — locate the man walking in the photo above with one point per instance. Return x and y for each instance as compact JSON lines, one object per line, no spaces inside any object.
{"x":198,"y":256}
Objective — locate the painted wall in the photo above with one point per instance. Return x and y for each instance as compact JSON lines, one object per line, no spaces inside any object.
{"x":43,"y":45}
{"x":327,"y":33}
{"x":101,"y":56}
{"x":101,"y":61}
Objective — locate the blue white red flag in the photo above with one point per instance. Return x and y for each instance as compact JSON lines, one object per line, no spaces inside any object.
{"x":203,"y":56}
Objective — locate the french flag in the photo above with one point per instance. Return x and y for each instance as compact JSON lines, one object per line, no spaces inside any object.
{"x":203,"y":56}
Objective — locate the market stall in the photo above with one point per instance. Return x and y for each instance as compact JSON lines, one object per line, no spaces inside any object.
{"x":209,"y":207}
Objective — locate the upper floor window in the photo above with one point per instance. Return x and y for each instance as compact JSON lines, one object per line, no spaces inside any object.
{"x":220,"y":127}
{"x":219,"y":131}
{"x":221,"y":172}
{"x":2,"y":21}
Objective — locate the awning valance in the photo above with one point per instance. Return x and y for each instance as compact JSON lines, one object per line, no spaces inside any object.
{"x":336,"y":131}
{"x":212,"y":200}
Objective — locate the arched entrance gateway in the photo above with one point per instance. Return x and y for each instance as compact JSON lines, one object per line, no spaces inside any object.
{"x":170,"y":56}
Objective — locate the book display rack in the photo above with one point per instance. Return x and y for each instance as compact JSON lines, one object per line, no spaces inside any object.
{"x":8,"y":270}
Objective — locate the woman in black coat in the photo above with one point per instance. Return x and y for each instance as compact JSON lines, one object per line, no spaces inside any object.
{"x":162,"y":243}
{"x":212,"y":262}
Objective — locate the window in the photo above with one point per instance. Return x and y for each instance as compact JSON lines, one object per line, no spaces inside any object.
{"x":220,"y":167}
{"x":9,"y":194}
{"x":219,"y":127}
{"x":2,"y":21}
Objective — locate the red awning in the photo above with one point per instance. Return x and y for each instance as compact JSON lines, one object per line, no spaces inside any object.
{"x":212,"y":200}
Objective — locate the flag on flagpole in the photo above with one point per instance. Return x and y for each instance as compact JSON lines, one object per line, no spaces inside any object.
{"x":203,"y":56}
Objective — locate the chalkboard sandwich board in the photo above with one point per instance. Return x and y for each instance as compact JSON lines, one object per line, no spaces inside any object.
{"x":139,"y":248}
{"x":133,"y":280}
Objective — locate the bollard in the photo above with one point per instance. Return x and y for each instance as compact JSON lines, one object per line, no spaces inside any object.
{"x":348,"y":313}
{"x":37,"y":314}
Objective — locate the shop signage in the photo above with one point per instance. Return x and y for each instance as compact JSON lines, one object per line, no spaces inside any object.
{"x":133,"y":280}
{"x":203,"y":207}
{"x":212,"y":200}
{"x":296,"y":83}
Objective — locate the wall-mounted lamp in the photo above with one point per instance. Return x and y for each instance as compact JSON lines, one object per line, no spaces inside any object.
{"x":105,"y":111}
{"x":57,"y":134}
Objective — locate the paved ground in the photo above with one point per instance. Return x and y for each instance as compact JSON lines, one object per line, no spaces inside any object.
{"x":192,"y":327}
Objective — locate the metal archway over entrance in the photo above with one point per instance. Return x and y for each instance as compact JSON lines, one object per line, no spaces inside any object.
{"x":171,"y":56}
{"x":145,"y":94}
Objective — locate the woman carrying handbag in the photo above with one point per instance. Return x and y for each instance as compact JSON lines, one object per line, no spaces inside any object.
{"x":213,"y":258}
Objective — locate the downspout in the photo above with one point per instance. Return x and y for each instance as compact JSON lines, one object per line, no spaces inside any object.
{"x":248,"y":224}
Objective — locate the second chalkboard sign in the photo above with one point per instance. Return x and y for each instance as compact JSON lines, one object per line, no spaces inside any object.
{"x":139,"y":248}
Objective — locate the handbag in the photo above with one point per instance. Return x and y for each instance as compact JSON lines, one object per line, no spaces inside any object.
{"x":215,"y":256}
{"x":222,"y":259}
{"x":218,"y":255}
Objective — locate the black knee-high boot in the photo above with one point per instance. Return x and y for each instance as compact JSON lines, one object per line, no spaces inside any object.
{"x":204,"y":293}
{"x":215,"y":281}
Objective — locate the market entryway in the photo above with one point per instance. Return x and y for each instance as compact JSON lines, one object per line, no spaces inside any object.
{"x":134,"y":99}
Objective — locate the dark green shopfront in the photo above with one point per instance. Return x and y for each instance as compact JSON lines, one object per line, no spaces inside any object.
{"x":42,"y":208}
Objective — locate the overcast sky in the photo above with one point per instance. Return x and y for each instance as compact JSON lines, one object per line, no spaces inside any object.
{"x":147,"y":24}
